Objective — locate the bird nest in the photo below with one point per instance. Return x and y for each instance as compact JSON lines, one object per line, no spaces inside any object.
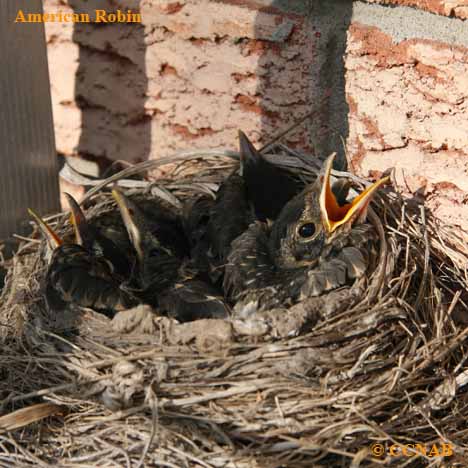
{"x":375,"y":374}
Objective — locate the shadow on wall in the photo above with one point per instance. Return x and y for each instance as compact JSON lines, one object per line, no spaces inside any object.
{"x":300,"y":62}
{"x":111,"y":85}
{"x":299,"y":73}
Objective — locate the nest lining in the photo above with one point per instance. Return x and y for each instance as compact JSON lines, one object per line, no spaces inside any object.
{"x":381,"y":362}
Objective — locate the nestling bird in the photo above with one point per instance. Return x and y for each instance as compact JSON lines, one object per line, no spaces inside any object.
{"x":159,"y":243}
{"x":104,"y":236}
{"x":257,"y":191}
{"x":76,"y":275}
{"x":195,"y":219}
{"x":163,"y":275}
{"x":268,"y":187}
{"x":318,"y":243}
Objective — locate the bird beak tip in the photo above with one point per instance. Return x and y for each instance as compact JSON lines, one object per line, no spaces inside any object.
{"x":52,"y":237}
{"x":77,"y":220}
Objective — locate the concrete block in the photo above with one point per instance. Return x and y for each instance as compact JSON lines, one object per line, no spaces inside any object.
{"x":457,"y":8}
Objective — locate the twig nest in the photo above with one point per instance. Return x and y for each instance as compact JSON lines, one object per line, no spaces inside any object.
{"x":127,"y":380}
{"x":316,"y":383}
{"x":443,"y":395}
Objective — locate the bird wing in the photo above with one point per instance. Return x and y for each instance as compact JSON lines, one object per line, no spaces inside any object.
{"x":229,"y":217}
{"x":74,"y":276}
{"x":192,"y":300}
{"x":249,"y":265}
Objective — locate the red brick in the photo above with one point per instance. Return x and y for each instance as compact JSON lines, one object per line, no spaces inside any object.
{"x":198,"y":70}
{"x":408,"y":110}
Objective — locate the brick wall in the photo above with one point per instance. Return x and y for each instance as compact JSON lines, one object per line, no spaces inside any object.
{"x":196,"y":71}
{"x":408,"y":109}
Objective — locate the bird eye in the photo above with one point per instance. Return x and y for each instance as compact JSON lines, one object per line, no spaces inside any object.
{"x":307,"y":230}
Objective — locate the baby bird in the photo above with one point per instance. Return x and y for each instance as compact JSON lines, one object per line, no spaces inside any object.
{"x":267,"y":187}
{"x":318,"y":243}
{"x":257,"y":191}
{"x":105,"y":236}
{"x":163,"y":277}
{"x":77,"y":275}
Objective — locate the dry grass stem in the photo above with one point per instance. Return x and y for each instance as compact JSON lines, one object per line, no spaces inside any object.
{"x":384,"y":363}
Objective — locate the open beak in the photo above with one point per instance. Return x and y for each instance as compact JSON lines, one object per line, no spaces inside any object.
{"x":52,"y":237}
{"x":335,"y":215}
{"x":78,"y":221}
{"x":130,"y":216}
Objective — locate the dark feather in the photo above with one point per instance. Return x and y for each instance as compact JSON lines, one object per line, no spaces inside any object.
{"x":196,"y":219}
{"x":258,"y":192}
{"x":76,"y":276}
{"x":193,"y":300}
{"x":229,"y":217}
{"x":268,"y":187}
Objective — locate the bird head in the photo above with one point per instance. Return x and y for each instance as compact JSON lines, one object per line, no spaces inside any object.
{"x":268,"y":187}
{"x":316,"y":218}
{"x":134,"y":221}
{"x":83,"y":234}
{"x":152,"y":255}
{"x":138,"y":227}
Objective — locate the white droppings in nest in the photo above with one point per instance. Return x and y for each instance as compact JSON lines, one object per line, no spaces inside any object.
{"x":208,"y":334}
{"x":139,"y":319}
{"x":254,"y":326}
{"x":126,"y":381}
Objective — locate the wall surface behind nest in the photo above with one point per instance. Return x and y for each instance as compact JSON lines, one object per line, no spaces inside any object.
{"x":194,"y":72}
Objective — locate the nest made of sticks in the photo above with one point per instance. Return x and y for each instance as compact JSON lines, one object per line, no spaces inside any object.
{"x":386,"y":367}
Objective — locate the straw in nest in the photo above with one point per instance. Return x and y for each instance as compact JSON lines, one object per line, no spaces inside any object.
{"x":383,"y":364}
